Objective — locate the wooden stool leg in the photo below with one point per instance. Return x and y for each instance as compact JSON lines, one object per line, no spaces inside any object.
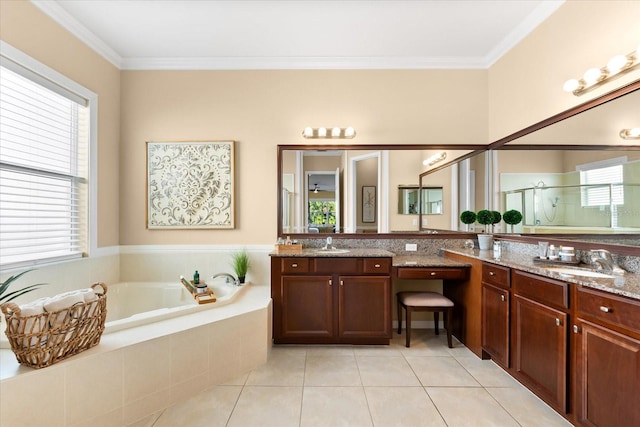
{"x":436,"y":320}
{"x":408,"y":328}
{"x":399,"y":317}
{"x":448,"y":314}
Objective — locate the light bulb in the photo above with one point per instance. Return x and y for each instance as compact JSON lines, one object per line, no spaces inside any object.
{"x":322,"y":132}
{"x":307,"y":132}
{"x":349,"y":132}
{"x":617,"y":63}
{"x":571,"y":85}
{"x":592,"y":75}
{"x":335,"y":132}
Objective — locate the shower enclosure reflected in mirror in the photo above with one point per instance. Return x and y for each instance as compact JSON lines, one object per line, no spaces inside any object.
{"x":409,"y":200}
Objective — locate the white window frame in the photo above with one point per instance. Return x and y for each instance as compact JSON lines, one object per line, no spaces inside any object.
{"x":35,"y":66}
{"x":585,"y":168}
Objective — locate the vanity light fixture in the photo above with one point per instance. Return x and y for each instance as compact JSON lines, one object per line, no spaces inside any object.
{"x":595,"y":77}
{"x":329,"y":133}
{"x":633,"y":133}
{"x":438,"y":157}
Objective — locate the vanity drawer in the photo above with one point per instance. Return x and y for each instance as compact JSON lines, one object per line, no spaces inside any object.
{"x":608,"y":308}
{"x":546,"y":291}
{"x":334,"y":265}
{"x":434,"y":273}
{"x":496,"y":275}
{"x":295,"y":265}
{"x":376,"y":265}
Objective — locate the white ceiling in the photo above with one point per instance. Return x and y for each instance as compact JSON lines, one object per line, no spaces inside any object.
{"x":300,"y":34}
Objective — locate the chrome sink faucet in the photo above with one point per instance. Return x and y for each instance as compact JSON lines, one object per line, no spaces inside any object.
{"x":604,"y":260}
{"x":230,"y":278}
{"x":329,"y":244}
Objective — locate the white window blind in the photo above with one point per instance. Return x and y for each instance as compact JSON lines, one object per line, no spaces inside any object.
{"x":44,"y":140}
{"x":604,"y":186}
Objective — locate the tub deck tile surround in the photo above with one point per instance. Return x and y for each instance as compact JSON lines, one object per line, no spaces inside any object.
{"x":136,"y":372}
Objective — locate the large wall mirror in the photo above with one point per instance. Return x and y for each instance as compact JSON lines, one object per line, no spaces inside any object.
{"x":536,"y":170}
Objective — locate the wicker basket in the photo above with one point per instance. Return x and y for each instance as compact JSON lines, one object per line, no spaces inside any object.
{"x":44,"y":339}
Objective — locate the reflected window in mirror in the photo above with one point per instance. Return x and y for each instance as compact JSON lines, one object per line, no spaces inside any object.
{"x":409,"y":200}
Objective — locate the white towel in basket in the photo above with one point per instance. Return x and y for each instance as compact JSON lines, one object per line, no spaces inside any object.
{"x":61,"y":302}
{"x":34,"y":325}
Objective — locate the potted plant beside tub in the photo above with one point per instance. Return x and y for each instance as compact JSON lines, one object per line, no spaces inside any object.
{"x":241,"y":264}
{"x":485,"y":240}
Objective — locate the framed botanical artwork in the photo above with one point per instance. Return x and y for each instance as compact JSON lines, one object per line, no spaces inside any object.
{"x":368,"y":203}
{"x":190,"y":185}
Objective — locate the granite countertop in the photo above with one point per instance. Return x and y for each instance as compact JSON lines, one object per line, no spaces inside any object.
{"x":627,"y":285}
{"x":352,"y":253}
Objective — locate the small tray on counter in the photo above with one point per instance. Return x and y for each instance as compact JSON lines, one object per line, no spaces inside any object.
{"x":538,"y":260}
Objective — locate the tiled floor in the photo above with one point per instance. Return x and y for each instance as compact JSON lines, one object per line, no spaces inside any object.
{"x":425,"y":385}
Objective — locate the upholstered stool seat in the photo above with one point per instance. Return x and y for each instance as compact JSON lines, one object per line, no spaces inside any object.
{"x":425,"y":301}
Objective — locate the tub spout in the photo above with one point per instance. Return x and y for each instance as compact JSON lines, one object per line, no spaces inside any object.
{"x":230,"y":278}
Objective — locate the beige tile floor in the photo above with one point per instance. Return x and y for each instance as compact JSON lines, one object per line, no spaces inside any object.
{"x":425,"y":385}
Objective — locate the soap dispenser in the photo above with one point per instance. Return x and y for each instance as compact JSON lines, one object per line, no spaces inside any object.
{"x":196,"y":278}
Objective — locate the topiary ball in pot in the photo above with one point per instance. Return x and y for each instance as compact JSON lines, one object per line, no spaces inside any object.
{"x":512,"y":217}
{"x":485,"y":217}
{"x":468,"y":217}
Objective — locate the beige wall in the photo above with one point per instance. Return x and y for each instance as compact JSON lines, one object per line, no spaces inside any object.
{"x":525,"y":85}
{"x":24,"y":27}
{"x":261,"y":109}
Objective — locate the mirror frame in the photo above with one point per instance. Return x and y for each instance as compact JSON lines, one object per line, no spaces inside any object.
{"x":475,"y":150}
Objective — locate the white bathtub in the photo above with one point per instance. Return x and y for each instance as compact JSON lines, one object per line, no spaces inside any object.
{"x":131,"y":304}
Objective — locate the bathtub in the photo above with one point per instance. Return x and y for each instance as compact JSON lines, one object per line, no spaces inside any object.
{"x":131,"y":304}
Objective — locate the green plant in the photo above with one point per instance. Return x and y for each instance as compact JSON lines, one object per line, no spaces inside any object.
{"x":497,"y":217}
{"x":241,"y":264}
{"x":512,"y":217}
{"x":8,"y":296}
{"x":485,"y":217}
{"x":468,"y":217}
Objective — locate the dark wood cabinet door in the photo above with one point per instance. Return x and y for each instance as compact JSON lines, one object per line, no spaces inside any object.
{"x":364,"y":306}
{"x":495,"y":323}
{"x":307,"y":306}
{"x":540,"y":350}
{"x":608,"y":377}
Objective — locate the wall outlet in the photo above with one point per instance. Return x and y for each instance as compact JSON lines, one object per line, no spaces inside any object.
{"x":411,"y":247}
{"x":415,"y":222}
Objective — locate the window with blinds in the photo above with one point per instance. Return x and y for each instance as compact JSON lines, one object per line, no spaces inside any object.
{"x":602,"y":186}
{"x":44,"y":144}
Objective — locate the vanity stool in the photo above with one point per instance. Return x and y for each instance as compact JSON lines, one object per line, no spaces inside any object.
{"x":425,"y":301}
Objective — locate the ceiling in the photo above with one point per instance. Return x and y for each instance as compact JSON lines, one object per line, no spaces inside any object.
{"x":300,"y":34}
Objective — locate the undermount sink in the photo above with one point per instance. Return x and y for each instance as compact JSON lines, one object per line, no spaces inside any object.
{"x":332,"y":251}
{"x":573,"y":271}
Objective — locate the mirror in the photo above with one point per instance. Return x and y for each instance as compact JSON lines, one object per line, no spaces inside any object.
{"x":409,"y":200}
{"x":556,"y":140}
{"x":356,"y":188}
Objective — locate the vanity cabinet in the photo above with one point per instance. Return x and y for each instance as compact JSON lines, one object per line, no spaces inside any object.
{"x":324,"y":300}
{"x":540,"y":336}
{"x":607,"y":342}
{"x":496,"y":282}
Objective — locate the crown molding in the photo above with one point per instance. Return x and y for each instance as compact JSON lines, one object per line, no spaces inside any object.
{"x":535,"y":18}
{"x":301,"y":63}
{"x":68,"y":22}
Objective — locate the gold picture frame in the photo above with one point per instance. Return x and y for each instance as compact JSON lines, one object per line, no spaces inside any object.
{"x":190,"y":185}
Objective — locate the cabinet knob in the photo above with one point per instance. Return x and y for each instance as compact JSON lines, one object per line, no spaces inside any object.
{"x":377,"y":266}
{"x":605,"y":309}
{"x":558,"y":322}
{"x":491,"y":273}
{"x":433,"y":273}
{"x":330,"y":282}
{"x":294,"y":265}
{"x":341,"y":283}
{"x":502,"y":298}
{"x":576,"y":329}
